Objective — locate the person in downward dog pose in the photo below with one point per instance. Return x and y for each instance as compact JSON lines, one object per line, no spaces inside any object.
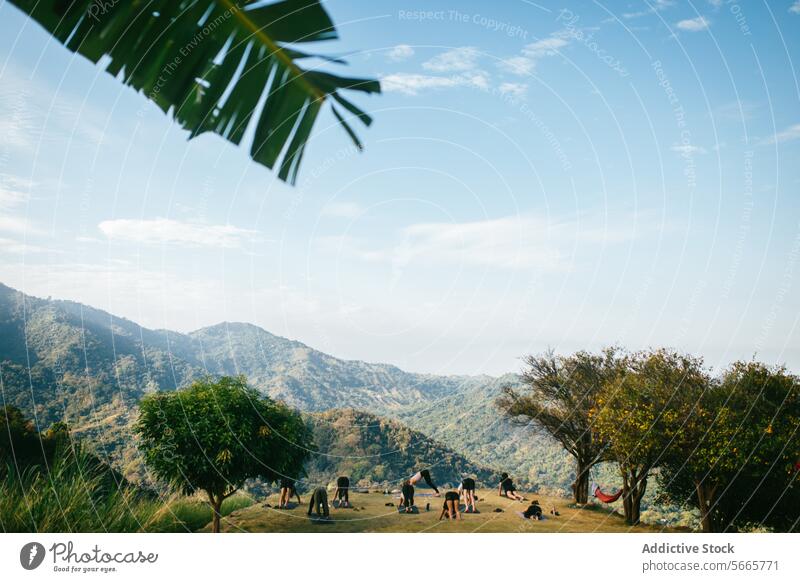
{"x":407,"y":497}
{"x":467,"y":490}
{"x":288,"y":490}
{"x":319,"y":502}
{"x":342,"y":491}
{"x":450,"y":506}
{"x":426,"y":475}
{"x":507,"y":488}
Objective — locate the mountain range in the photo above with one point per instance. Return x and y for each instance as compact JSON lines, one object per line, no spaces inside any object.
{"x":65,"y":361}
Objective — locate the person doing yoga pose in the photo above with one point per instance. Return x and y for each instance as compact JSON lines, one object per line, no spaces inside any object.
{"x":426,"y":475}
{"x":534,"y":511}
{"x":450,"y":506}
{"x":319,"y":502}
{"x":407,"y":496}
{"x":507,"y":488}
{"x":467,"y":490}
{"x":288,"y":490}
{"x":341,"y":493}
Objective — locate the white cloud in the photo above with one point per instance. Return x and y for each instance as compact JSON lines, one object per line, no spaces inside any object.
{"x":513,"y":89}
{"x":511,"y":242}
{"x":791,"y":133}
{"x":455,"y":60}
{"x":169,"y":231}
{"x":795,"y":8}
{"x":13,"y":191}
{"x":400,"y":53}
{"x":545,"y":47}
{"x":16,"y":247}
{"x":687,"y":150}
{"x":517,"y":65}
{"x":524,"y":63}
{"x":694,"y":24}
{"x":657,"y":6}
{"x":18,"y":225}
{"x":343,"y":209}
{"x":412,"y":83}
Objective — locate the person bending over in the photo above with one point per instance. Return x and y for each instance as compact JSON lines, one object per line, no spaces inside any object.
{"x":288,"y":490}
{"x":534,"y":511}
{"x":507,"y":488}
{"x":467,"y":490}
{"x":426,"y":475}
{"x":450,"y":506}
{"x":319,"y":502}
{"x":341,"y":493}
{"x":407,"y":496}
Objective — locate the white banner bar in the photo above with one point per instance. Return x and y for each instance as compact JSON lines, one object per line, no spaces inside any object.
{"x":399,"y":557}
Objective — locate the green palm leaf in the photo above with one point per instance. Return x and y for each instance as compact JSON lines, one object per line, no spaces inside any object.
{"x":216,"y":65}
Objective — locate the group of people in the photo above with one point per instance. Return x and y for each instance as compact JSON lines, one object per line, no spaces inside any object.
{"x":465,"y":494}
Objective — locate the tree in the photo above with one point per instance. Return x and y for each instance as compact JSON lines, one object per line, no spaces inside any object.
{"x":641,"y":416}
{"x":214,"y":435}
{"x":210,"y":63}
{"x":737,"y":462}
{"x":560,"y":393}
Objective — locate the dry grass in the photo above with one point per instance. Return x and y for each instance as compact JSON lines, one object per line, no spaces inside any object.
{"x":372,"y":515}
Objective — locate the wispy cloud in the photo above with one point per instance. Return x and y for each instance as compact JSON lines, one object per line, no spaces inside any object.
{"x":512,"y":89}
{"x":656,"y":6}
{"x":791,"y":133}
{"x":400,"y":53}
{"x":14,"y":191}
{"x":455,"y":60}
{"x":531,"y":54}
{"x":694,"y":24}
{"x":169,"y":231}
{"x":343,"y":209}
{"x":511,"y":242}
{"x":795,"y":8}
{"x":688,"y":150}
{"x":413,"y":83}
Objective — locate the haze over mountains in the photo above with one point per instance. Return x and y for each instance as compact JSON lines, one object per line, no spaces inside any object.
{"x":69,"y":361}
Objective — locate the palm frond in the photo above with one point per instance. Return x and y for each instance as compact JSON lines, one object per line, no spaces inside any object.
{"x":216,"y":65}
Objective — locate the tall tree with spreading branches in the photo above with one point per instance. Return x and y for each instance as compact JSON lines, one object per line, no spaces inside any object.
{"x":641,"y":418}
{"x":559,"y":393}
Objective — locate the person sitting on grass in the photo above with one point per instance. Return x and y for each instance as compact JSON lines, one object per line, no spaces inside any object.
{"x":426,"y":475}
{"x":288,"y":490}
{"x":407,"y":496}
{"x":319,"y":502}
{"x":507,"y":488}
{"x":534,"y":511}
{"x":467,"y":490}
{"x":450,"y":506}
{"x":341,"y":493}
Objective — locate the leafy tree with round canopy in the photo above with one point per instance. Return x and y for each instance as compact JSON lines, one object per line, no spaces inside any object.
{"x":641,"y":416}
{"x":214,"y":435}
{"x":560,"y":393}
{"x":738,"y":454}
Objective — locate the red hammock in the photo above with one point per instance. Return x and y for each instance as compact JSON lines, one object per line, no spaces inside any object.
{"x":605,"y":497}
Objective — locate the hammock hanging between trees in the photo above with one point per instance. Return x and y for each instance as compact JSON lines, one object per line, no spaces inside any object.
{"x":605,"y":497}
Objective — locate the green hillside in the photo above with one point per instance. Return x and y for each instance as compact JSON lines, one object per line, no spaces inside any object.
{"x":67,"y":361}
{"x":375,"y":450}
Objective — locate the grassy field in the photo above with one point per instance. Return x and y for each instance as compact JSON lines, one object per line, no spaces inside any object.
{"x":370,"y":514}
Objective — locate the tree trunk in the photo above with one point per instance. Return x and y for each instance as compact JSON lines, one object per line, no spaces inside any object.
{"x":216,"y":511}
{"x":633,"y":490}
{"x":705,"y":502}
{"x":580,"y":488}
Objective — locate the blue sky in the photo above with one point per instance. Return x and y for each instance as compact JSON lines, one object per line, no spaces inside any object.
{"x":551,"y":174}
